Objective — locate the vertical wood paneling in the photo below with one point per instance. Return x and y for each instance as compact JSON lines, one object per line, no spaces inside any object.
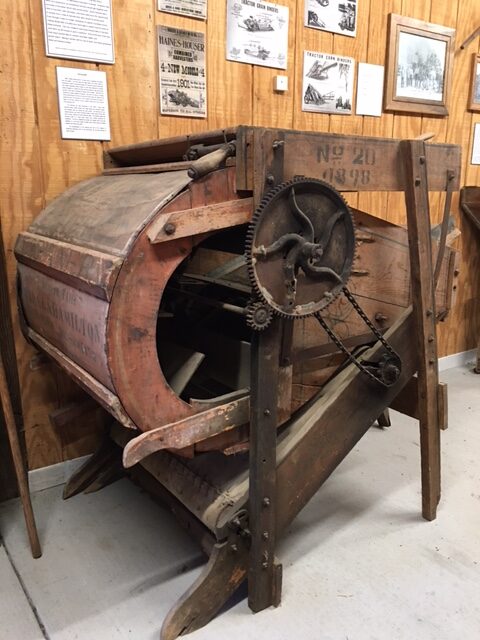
{"x":64,"y":162}
{"x":21,"y":198}
{"x":272,"y":109}
{"x":133,"y":79}
{"x":377,"y":203}
{"x":37,"y":165}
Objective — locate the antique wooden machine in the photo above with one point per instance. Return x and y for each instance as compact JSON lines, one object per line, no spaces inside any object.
{"x":244,"y":326}
{"x":470,"y":203}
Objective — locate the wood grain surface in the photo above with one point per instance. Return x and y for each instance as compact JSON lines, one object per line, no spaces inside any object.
{"x":36,"y":165}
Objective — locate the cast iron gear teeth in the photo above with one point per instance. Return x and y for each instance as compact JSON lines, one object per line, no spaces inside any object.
{"x":259,"y":315}
{"x":268,"y":198}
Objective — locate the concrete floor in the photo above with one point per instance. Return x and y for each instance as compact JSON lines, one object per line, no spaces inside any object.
{"x":359,"y":562}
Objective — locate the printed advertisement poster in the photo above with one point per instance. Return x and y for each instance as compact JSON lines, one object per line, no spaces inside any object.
{"x":181,"y":63}
{"x":327,"y":83}
{"x":257,"y":33}
{"x":191,"y":8}
{"x":332,"y":15}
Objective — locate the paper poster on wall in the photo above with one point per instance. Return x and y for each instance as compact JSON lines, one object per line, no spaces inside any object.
{"x":79,"y":30}
{"x":327,"y":83}
{"x":257,"y":33}
{"x":190,"y":8}
{"x":83,"y":104}
{"x":336,"y":16}
{"x":181,"y":64}
{"x":476,"y":144}
{"x":369,"y":89}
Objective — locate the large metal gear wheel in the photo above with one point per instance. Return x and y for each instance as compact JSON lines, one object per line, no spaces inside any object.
{"x":300,"y":247}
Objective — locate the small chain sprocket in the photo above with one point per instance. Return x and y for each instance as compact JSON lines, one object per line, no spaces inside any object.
{"x":258,"y":315}
{"x":300,"y":247}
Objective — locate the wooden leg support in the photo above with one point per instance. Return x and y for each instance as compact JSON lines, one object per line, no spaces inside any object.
{"x":103,"y":468}
{"x":20,"y":471}
{"x":222,"y":575}
{"x":384,"y":419}
{"x":423,"y":299}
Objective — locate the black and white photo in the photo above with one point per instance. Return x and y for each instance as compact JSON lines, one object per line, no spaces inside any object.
{"x":327,"y":83}
{"x":421,"y":67}
{"x":337,"y":16}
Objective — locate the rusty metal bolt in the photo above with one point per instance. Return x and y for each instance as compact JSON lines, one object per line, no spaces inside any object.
{"x":422,"y":159}
{"x":429,"y":313}
{"x":234,"y":548}
{"x":169,"y":228}
{"x":431,"y":338}
{"x":266,"y":502}
{"x":277,"y":144}
{"x":270,"y":179}
{"x":266,"y":412}
{"x":380,"y":317}
{"x":265,"y":535}
{"x":417,"y":182}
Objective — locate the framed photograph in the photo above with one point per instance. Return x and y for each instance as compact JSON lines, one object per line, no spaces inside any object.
{"x":474,"y":100}
{"x":419,"y":66}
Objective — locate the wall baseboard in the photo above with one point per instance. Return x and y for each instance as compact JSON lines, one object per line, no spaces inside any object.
{"x":56,"y":474}
{"x":53,"y":475}
{"x":457,"y":360}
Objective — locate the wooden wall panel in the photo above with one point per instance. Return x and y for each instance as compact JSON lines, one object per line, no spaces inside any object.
{"x":133,"y":79}
{"x":272,"y":109}
{"x":37,"y":165}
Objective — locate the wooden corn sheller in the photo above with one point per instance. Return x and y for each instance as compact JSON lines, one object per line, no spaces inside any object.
{"x":96,"y":263}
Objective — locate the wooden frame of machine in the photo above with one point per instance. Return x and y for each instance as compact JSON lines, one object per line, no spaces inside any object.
{"x":241,"y":234}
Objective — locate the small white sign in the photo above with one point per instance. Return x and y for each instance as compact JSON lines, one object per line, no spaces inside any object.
{"x":83,"y":104}
{"x":476,"y":144}
{"x":257,"y":33}
{"x":79,"y":30}
{"x":369,"y":89}
{"x":191,"y":8}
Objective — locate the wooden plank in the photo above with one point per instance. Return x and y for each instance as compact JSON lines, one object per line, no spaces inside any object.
{"x":407,"y":401}
{"x":101,"y":394}
{"x":272,"y":108}
{"x":72,"y":320}
{"x":354,"y":163}
{"x":187,"y":431}
{"x":20,"y":471}
{"x":132,"y":80}
{"x":423,"y":299}
{"x":63,"y":162}
{"x":21,"y":197}
{"x":85,"y":269}
{"x":192,"y":222}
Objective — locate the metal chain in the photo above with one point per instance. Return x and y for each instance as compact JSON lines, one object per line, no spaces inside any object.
{"x":344,"y":349}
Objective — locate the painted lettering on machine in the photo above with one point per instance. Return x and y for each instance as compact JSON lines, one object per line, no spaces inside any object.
{"x":71,"y":320}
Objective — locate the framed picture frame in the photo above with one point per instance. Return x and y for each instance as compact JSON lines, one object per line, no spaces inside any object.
{"x":474,"y":97}
{"x":419,"y":66}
